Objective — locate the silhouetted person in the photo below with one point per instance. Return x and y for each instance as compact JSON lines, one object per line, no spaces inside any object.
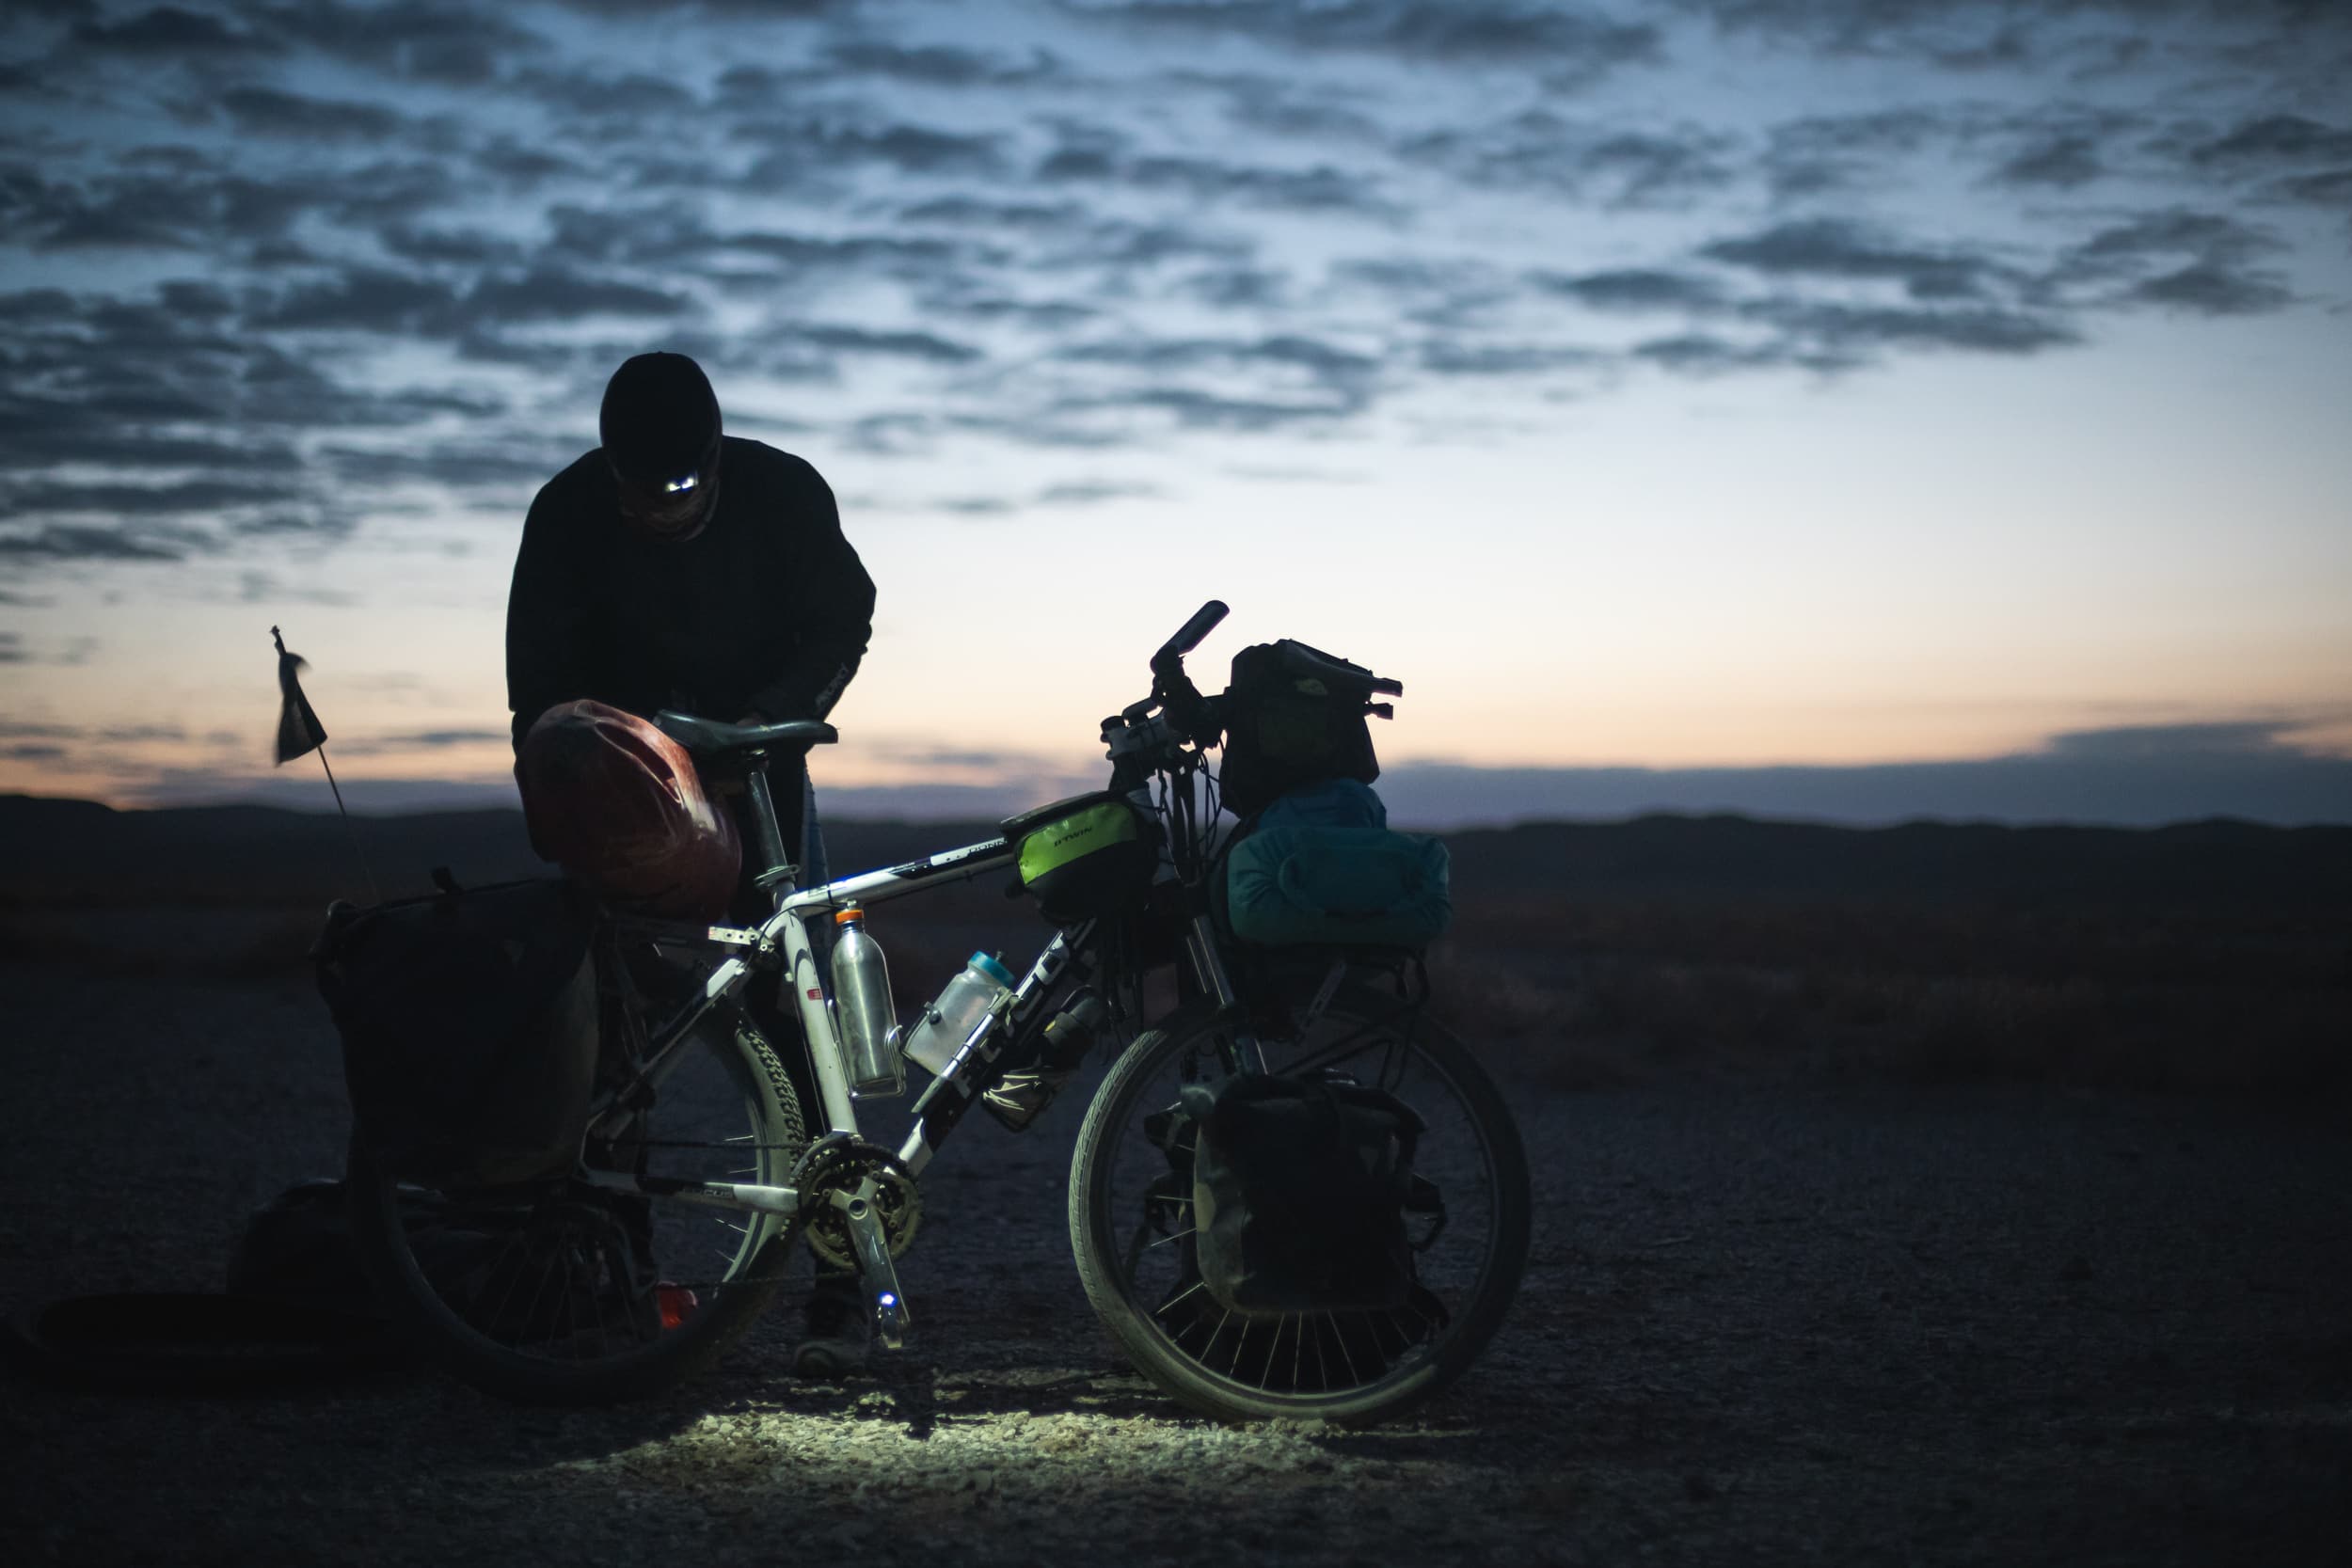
{"x":676,"y":566}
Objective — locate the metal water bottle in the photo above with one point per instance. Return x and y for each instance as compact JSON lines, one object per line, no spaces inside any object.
{"x":861,"y":999}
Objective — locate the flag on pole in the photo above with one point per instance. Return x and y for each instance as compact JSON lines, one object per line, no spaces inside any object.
{"x":298,"y":728}
{"x":299,"y":732}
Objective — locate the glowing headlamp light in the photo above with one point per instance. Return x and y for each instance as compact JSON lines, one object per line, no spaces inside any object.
{"x":678,"y":487}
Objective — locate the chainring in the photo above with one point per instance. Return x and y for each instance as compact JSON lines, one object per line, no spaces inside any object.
{"x":839,"y":1164}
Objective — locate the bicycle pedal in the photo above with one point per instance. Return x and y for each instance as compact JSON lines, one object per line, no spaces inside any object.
{"x":890,"y":1320}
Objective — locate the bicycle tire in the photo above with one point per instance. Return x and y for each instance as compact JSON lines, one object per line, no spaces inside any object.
{"x":444,"y":1335}
{"x":1133,"y":1323}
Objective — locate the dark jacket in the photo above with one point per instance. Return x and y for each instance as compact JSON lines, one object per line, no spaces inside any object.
{"x":766,"y":611}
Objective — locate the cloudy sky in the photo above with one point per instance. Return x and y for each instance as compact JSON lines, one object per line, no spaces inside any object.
{"x":1851,"y":409}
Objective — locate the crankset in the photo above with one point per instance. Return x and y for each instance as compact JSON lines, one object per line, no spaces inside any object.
{"x":863,"y":1209}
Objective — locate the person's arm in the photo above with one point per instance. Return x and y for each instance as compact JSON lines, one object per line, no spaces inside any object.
{"x":551,"y":649}
{"x":831,"y":601}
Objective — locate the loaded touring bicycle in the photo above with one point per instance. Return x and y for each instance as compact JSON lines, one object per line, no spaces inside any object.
{"x":1294,"y":1191}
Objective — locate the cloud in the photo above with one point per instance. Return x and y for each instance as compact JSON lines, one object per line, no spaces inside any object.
{"x":1634,"y":288}
{"x":2241,"y":737}
{"x":1834,"y":247}
{"x":172,"y":31}
{"x":266,"y":111}
{"x":1325,"y":361}
{"x":202,"y":496}
{"x":458,"y":465}
{"x":1823,"y":154}
{"x":937,"y":65}
{"x":1202,"y":410}
{"x":12,"y":652}
{"x":418,"y":40}
{"x":1834,"y":334}
{"x":1092,"y":492}
{"x":903,"y":345}
{"x":2330,"y":189}
{"x":2180,"y":259}
{"x":64,"y":542}
{"x":419,"y":742}
{"x":2277,"y":139}
{"x":2139,"y":776}
{"x":799,"y":147}
{"x":1287,"y":108}
{"x":2205,"y":288}
{"x":1539,"y":150}
{"x":1701,"y":354}
{"x":970,"y":211}
{"x":1443,"y":357}
{"x":1092,"y":155}
{"x":1430,"y":291}
{"x":1464,"y":32}
{"x":2062,"y":161}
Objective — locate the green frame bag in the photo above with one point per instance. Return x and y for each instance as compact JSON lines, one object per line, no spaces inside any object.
{"x":1087,"y":857}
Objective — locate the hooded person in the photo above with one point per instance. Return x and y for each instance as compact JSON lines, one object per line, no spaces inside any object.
{"x":677,"y":566}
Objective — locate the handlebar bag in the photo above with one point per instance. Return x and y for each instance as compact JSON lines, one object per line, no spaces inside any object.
{"x":1357,"y":887}
{"x":1283,"y":729}
{"x":1299,"y":1186}
{"x":1089,"y":856}
{"x":468,"y":1025}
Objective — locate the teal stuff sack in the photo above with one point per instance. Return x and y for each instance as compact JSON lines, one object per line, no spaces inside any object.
{"x":1356,"y":887}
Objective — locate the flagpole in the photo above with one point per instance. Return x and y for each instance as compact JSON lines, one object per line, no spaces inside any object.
{"x":365,"y":869}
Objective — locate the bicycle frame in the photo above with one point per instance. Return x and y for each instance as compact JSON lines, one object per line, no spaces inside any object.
{"x":783,"y":942}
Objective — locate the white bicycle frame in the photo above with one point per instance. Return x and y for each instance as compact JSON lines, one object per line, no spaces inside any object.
{"x":782,"y":943}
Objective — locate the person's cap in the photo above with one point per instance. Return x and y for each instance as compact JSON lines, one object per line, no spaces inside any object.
{"x":660,"y":423}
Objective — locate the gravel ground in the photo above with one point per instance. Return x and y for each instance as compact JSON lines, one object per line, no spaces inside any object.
{"x":1763,"y":1323}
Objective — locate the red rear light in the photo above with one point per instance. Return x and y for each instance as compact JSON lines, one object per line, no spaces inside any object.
{"x":677,"y":1303}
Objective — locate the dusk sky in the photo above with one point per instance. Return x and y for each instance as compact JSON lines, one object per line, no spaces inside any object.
{"x":1815,"y":408}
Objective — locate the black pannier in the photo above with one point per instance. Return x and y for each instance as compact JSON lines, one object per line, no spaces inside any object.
{"x":1299,"y":1187}
{"x":469,"y":1022}
{"x":1283,"y":728}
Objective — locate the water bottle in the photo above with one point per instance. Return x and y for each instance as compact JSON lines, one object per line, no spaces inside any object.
{"x":948,"y":1021}
{"x":861,"y":999}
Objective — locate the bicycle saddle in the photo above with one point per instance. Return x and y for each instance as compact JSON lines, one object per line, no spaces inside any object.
{"x":708,"y":739}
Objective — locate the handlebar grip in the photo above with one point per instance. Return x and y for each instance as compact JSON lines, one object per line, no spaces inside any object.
{"x":1204,"y":620}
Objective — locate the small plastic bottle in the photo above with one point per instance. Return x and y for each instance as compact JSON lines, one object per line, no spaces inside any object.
{"x":861,"y":997}
{"x":948,"y":1021}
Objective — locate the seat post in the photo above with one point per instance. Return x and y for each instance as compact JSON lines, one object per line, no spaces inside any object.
{"x":776,"y":869}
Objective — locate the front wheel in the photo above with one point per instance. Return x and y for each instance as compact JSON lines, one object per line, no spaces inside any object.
{"x":563,"y":1293}
{"x":1130,"y":1223}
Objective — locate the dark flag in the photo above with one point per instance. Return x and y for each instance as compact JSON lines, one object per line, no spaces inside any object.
{"x":299,"y":731}
{"x":298,"y":727}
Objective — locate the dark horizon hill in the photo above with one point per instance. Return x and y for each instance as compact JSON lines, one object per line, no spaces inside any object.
{"x":82,"y":852}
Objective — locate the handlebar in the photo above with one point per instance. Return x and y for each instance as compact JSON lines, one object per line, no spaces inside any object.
{"x":1204,"y":621}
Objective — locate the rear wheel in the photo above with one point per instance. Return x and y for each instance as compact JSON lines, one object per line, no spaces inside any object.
{"x":559,"y":1292}
{"x":1129,"y":1222}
